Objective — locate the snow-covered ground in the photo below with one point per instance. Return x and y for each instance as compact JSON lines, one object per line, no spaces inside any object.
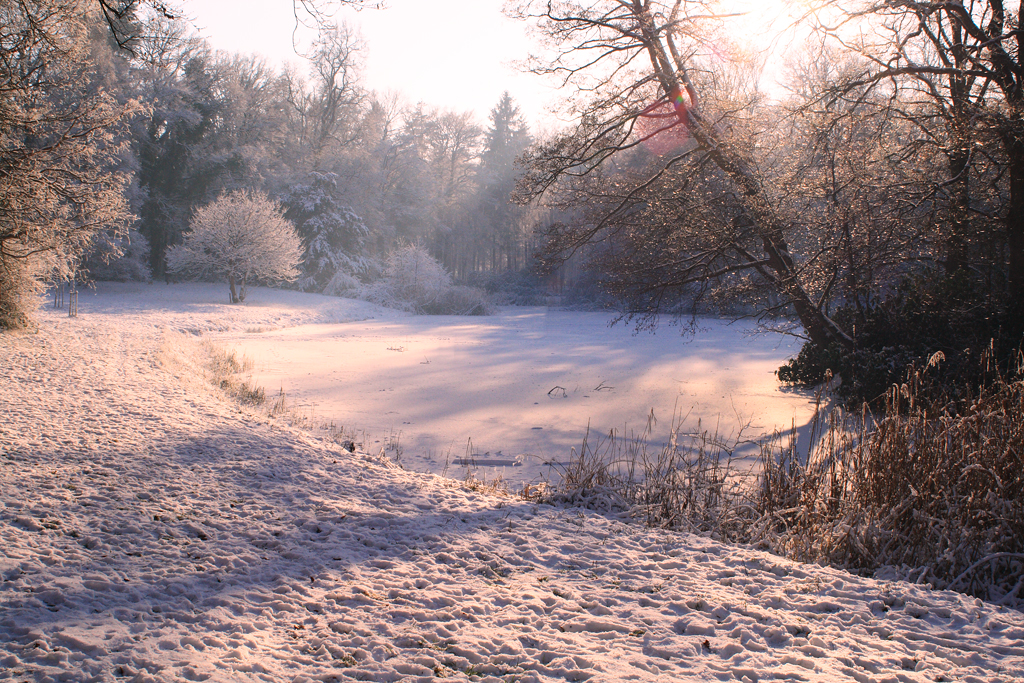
{"x":151,"y":530}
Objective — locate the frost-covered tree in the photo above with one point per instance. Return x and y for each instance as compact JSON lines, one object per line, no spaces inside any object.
{"x":334,"y":235}
{"x":324,"y":112}
{"x":639,"y":69}
{"x":242,"y":236}
{"x":415,"y":281}
{"x":504,"y":237}
{"x":61,"y":145}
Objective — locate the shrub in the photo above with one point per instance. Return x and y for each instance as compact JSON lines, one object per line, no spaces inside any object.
{"x":514,"y":287}
{"x":414,"y":281}
{"x":589,"y":292}
{"x":920,"y":318}
{"x":342,"y":284}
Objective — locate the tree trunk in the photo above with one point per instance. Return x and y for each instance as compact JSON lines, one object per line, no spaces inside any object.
{"x":781,"y":272}
{"x":1015,"y":232}
{"x":960,"y":197}
{"x":234,"y":295}
{"x":821,"y":329}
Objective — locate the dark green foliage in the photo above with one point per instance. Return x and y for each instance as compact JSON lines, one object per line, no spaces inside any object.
{"x":333,"y":235}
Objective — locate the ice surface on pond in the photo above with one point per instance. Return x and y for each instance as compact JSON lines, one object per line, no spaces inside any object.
{"x":519,"y":389}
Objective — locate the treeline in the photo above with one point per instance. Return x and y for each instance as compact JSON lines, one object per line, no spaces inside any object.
{"x":363,"y":167}
{"x":162,"y":124}
{"x":877,"y":209}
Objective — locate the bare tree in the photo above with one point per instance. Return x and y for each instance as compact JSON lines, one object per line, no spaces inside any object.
{"x":637,"y":60}
{"x":123,"y":16}
{"x":327,"y":109}
{"x":963,"y":60}
{"x":242,"y":236}
{"x":864,"y":172}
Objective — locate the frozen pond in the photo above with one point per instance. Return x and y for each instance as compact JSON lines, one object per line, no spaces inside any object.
{"x":519,"y":389}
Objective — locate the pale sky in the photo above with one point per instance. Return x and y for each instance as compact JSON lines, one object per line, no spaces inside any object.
{"x":451,"y":53}
{"x":456,"y":54}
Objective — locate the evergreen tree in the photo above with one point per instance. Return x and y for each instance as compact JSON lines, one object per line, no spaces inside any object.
{"x":333,"y":234}
{"x":501,"y":234}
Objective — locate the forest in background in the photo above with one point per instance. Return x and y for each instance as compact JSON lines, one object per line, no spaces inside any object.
{"x":358,"y":173}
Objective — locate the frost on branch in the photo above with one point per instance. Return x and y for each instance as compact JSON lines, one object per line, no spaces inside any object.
{"x":242,"y":236}
{"x":123,"y":258}
{"x":62,"y":148}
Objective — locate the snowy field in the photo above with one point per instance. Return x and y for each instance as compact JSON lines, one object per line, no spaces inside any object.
{"x":153,"y":531}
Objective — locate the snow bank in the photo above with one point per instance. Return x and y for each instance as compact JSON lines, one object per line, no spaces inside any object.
{"x":153,"y":531}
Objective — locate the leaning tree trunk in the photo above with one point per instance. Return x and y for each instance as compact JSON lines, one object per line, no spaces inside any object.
{"x":781,"y":271}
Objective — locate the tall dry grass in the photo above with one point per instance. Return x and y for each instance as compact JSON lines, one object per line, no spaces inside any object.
{"x":933,"y":487}
{"x":690,"y":484}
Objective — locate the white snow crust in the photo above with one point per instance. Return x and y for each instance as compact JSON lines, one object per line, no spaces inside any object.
{"x":151,"y":530}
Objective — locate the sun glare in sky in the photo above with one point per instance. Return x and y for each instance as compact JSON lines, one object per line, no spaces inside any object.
{"x":457,"y":54}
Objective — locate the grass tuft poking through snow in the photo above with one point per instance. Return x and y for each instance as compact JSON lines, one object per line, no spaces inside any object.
{"x":225,"y":372}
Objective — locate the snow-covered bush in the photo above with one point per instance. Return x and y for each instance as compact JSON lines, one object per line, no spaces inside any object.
{"x":119,"y":258}
{"x":513,"y":288}
{"x":342,"y":284}
{"x":242,"y":236}
{"x":414,"y":275}
{"x":460,"y":300}
{"x":415,"y":281}
{"x":334,"y":235}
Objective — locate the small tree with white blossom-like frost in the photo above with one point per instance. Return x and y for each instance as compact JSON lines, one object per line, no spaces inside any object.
{"x":242,"y":236}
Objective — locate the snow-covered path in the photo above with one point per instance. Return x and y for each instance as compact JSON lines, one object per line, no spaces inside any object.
{"x":152,"y":531}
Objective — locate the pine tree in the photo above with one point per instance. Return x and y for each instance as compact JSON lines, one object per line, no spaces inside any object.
{"x":505,"y":139}
{"x":334,"y":235}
